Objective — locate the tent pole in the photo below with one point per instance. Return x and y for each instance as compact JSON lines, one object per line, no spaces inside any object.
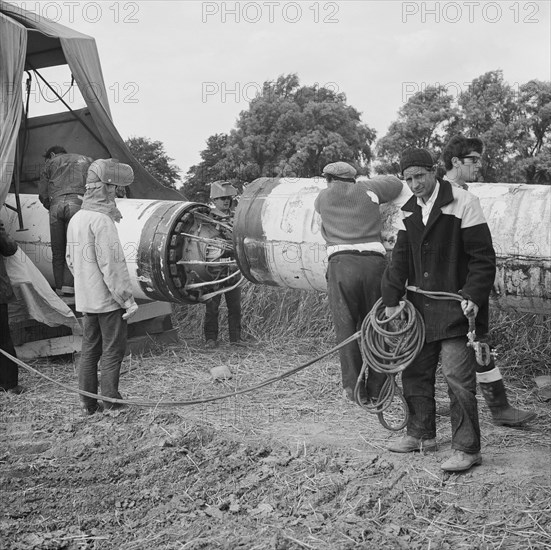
{"x":69,"y":108}
{"x":16,"y":175}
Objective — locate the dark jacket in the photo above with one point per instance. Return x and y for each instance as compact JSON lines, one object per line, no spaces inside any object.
{"x":7,"y":248}
{"x":63,"y":175}
{"x":453,"y":253}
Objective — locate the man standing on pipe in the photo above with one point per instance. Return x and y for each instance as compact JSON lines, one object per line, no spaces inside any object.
{"x":351,"y":227}
{"x":462,"y":158}
{"x":444,"y":245}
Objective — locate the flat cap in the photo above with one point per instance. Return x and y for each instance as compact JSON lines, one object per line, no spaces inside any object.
{"x":415,"y":157}
{"x":110,"y":171}
{"x":341,"y":170}
{"x":220,"y":189}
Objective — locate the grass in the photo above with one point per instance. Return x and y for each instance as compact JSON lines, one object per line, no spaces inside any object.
{"x":522,"y":341}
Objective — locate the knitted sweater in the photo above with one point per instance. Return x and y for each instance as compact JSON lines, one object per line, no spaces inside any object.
{"x":349,"y":213}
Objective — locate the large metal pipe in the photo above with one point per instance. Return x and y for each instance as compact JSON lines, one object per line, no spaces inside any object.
{"x":278,"y":240}
{"x":175,"y":251}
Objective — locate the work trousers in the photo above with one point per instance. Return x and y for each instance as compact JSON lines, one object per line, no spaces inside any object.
{"x":353,"y":287}
{"x":459,"y":370}
{"x":9,"y":371}
{"x":104,"y":336}
{"x":62,"y":209}
{"x":233,"y":301}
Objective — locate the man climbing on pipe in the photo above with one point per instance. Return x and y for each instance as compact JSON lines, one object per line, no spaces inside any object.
{"x":444,"y":245}
{"x":61,"y":190}
{"x":462,"y":158}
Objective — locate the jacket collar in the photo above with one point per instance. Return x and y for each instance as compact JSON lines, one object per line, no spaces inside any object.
{"x":445,"y":196}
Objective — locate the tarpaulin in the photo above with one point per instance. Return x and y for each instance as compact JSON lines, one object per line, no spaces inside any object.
{"x":48,"y":44}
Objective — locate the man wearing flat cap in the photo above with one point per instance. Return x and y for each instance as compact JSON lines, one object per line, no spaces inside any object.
{"x":103,"y":292}
{"x":351,"y":227}
{"x":443,"y":245}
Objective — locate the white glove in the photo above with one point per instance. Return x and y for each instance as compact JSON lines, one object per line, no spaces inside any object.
{"x":131,"y":310}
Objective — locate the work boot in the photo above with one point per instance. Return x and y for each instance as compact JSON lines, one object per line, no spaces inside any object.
{"x":16,"y":390}
{"x":460,"y":461}
{"x":503,"y":414}
{"x":408,"y":444}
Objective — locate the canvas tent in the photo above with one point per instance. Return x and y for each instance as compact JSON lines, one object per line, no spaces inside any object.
{"x":28,"y":43}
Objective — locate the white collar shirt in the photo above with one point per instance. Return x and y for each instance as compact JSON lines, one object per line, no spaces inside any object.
{"x":426,"y":207}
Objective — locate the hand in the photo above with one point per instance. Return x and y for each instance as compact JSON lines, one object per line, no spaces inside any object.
{"x":392,"y":311}
{"x":131,"y":310}
{"x":469,"y":308}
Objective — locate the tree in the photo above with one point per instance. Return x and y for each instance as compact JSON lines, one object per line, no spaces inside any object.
{"x":152,"y":156}
{"x":534,"y":160}
{"x":201,"y":174}
{"x":514,"y":124}
{"x":426,"y":121}
{"x":490,"y":111}
{"x":288,"y":130}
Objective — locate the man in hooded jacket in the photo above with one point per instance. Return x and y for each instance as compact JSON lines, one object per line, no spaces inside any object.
{"x":103,"y":292}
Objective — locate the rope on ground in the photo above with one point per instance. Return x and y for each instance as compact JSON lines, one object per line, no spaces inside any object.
{"x":182,"y":403}
{"x":388,"y":346}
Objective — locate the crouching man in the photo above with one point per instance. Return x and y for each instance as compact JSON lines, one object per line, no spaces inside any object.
{"x":444,"y":245}
{"x":103,"y":292}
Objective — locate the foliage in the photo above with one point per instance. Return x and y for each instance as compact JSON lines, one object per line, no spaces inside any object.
{"x":513,"y":123}
{"x":288,"y":130}
{"x":152,"y":156}
{"x":205,"y":172}
{"x":424,"y":121}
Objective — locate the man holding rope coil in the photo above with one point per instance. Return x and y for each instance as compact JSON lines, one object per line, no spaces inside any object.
{"x":444,"y":245}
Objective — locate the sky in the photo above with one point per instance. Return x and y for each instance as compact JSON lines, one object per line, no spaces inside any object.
{"x":180,"y":71}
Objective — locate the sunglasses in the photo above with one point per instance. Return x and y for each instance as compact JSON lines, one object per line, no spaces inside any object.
{"x":474,"y":158}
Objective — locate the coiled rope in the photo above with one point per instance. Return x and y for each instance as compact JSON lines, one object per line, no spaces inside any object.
{"x":388,"y":346}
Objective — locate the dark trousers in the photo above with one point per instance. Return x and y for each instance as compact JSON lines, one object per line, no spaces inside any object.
{"x":459,"y":370}
{"x":233,"y":301}
{"x":104,"y":336}
{"x":9,"y":371}
{"x":353,"y":287}
{"x":61,"y":211}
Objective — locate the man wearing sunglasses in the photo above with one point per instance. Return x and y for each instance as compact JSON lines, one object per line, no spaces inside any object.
{"x":462,"y":160}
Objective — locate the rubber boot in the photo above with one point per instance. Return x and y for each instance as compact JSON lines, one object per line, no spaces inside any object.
{"x":493,"y":390}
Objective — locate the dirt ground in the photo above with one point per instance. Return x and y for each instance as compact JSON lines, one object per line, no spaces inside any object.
{"x":289,"y":466}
